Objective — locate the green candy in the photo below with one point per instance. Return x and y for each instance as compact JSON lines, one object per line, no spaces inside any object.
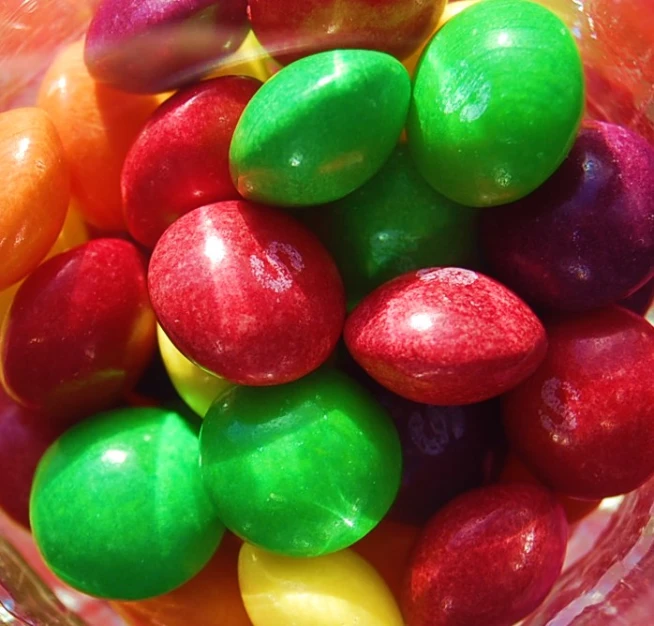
{"x":302,"y":469}
{"x":118,"y":509}
{"x":320,"y":128}
{"x":393,"y":224}
{"x":497,"y":101}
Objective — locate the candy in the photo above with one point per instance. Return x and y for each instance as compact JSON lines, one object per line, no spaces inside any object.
{"x":302,"y":469}
{"x":393,"y":224}
{"x":118,"y":509}
{"x":584,"y":422}
{"x":35,"y":179}
{"x":180,"y":160}
{"x":247,"y":293}
{"x":161,"y":44}
{"x":249,"y":60}
{"x":97,"y":126}
{"x":640,"y":301}
{"x":585,"y":239}
{"x":320,"y":128}
{"x":489,"y":557}
{"x":292,"y":29}
{"x":339,"y":588}
{"x":80,"y":330}
{"x":478,"y":127}
{"x":445,"y":336}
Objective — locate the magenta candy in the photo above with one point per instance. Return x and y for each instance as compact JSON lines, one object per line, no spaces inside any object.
{"x":585,"y":239}
{"x":445,"y":336}
{"x":247,"y":293}
{"x":488,"y":558}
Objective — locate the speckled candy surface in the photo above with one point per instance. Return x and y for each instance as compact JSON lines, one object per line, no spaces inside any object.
{"x":118,"y":509}
{"x":584,"y":422}
{"x":303,"y":469}
{"x":445,"y":336}
{"x":320,"y":128}
{"x":478,"y":126}
{"x":247,"y":293}
{"x":585,"y":239}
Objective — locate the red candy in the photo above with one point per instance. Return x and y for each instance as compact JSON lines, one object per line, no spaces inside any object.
{"x":180,"y":161}
{"x":247,"y":293}
{"x":445,"y":336}
{"x":80,"y":330}
{"x":488,"y":558}
{"x":584,"y":422}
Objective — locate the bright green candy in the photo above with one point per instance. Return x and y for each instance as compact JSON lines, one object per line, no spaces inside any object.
{"x":395,"y":223}
{"x":497,"y":101}
{"x":320,"y":128}
{"x":301,"y":469}
{"x":118,"y":509}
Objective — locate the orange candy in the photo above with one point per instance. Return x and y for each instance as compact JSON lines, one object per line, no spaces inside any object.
{"x":35,"y":185}
{"x":97,"y":125}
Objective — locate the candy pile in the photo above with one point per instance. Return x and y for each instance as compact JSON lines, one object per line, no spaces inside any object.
{"x":388,"y":268}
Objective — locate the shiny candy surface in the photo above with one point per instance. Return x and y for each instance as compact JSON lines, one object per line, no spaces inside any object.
{"x":180,"y":160}
{"x":490,"y":557}
{"x":445,"y":336}
{"x":36,"y":182}
{"x":585,"y":239}
{"x":340,"y":588}
{"x":320,"y":128}
{"x":249,"y":60}
{"x":103,"y":490}
{"x":471,"y":126}
{"x":584,"y":422}
{"x":237,"y":286}
{"x":302,"y":469}
{"x":80,"y":330}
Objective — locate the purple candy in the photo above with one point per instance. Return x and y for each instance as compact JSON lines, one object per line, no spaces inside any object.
{"x":585,"y":239}
{"x":149,"y":46}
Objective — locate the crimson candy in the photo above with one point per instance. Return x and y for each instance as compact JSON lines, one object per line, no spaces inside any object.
{"x":584,"y":422}
{"x":80,"y":330}
{"x":445,"y":336}
{"x":585,"y":239}
{"x":247,"y":293}
{"x":489,"y":557}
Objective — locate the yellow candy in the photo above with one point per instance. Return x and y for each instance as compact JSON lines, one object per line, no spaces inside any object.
{"x":195,"y":386}
{"x":249,"y":60}
{"x":340,"y":588}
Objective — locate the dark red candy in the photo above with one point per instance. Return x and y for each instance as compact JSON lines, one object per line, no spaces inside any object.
{"x":445,"y":336}
{"x":585,"y":239}
{"x":247,"y":293}
{"x":642,"y":300}
{"x":180,"y":161}
{"x":488,"y":558}
{"x":584,"y":422}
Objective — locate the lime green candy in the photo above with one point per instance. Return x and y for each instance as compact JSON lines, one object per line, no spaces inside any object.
{"x":320,"y":128}
{"x":302,"y":469}
{"x":497,"y":101}
{"x":118,"y":509}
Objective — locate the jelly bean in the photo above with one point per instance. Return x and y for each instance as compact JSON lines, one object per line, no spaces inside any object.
{"x":393,"y":224}
{"x":247,"y":293}
{"x":340,"y":588}
{"x":478,"y":128}
{"x":249,"y":60}
{"x":195,"y":386}
{"x":489,"y":557}
{"x":445,"y":336}
{"x":292,"y":29}
{"x":97,"y":126}
{"x":212,"y":598}
{"x":161,"y":45}
{"x":35,"y":179}
{"x":302,"y":469}
{"x":584,"y":422}
{"x":320,"y":128}
{"x":180,"y":160}
{"x":80,"y":330}
{"x":585,"y":239}
{"x":118,"y":509}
